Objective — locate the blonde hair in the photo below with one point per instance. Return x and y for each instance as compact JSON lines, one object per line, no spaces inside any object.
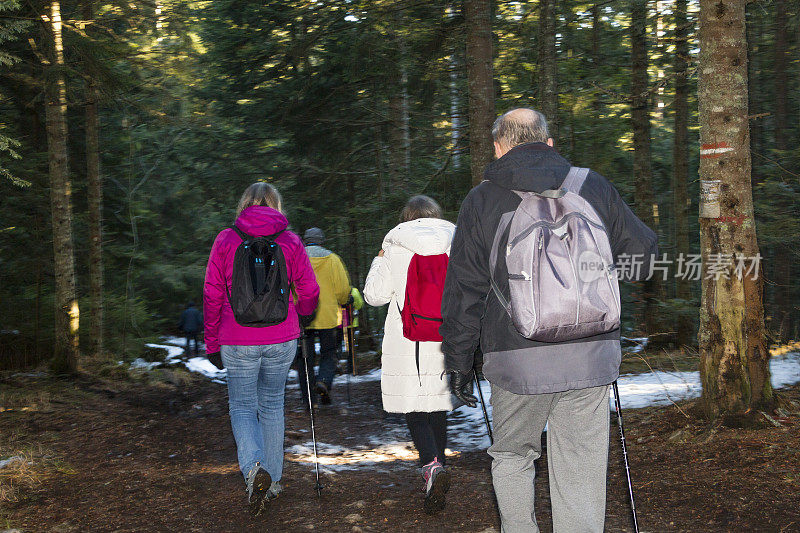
{"x":260,"y":193}
{"x":420,"y":206}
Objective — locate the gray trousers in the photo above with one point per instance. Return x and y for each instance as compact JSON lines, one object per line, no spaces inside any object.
{"x":577,"y":457}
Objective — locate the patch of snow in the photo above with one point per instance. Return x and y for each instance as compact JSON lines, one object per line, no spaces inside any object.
{"x":173,"y":352}
{"x":146,"y":365}
{"x":639,"y":343}
{"x":663,"y":388}
{"x":333,"y":458}
{"x":372,"y":375}
{"x":203,"y":366}
{"x":11,"y":460}
{"x":391,"y":448}
{"x":467,"y":429}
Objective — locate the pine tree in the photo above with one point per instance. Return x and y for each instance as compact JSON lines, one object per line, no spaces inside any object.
{"x":547,"y":69}
{"x":646,"y":207}
{"x":67,"y":310}
{"x":734,"y":360}
{"x":478,"y":16}
{"x":680,"y":158}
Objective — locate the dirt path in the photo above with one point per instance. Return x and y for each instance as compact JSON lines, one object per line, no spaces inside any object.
{"x":133,"y":457}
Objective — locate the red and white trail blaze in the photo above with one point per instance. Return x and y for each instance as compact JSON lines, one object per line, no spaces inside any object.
{"x":712,"y":151}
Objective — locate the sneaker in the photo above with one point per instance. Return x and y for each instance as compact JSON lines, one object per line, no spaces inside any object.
{"x":258,"y":484}
{"x":437,"y":483}
{"x":274,"y":490}
{"x":324,"y":393}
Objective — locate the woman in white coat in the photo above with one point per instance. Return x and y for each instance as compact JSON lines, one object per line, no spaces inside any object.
{"x":421,"y":393}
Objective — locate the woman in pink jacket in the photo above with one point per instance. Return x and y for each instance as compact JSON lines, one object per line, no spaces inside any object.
{"x":257,"y":358}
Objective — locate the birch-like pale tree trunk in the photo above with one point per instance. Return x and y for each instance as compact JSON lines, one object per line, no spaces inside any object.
{"x":67,"y":314}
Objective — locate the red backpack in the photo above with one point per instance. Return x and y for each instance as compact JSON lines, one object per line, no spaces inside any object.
{"x":422,"y":311}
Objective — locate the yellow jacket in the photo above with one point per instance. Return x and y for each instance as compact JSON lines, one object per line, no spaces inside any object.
{"x":334,"y":287}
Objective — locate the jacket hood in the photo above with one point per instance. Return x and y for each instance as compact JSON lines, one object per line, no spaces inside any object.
{"x":532,"y":167}
{"x":315,"y":250}
{"x":259,"y":220}
{"x":423,"y":236}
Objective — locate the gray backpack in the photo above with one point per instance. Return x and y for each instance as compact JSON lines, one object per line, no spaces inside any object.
{"x":561,"y":276}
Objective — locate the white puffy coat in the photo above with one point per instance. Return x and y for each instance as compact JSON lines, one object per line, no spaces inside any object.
{"x":386,"y":283}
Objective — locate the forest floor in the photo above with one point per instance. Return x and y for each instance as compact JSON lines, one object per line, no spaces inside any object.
{"x":97,"y":454}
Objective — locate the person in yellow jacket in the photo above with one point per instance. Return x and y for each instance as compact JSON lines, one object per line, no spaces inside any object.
{"x":334,"y":292}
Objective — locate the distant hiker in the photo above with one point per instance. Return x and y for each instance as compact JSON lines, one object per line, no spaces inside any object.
{"x":334,"y":291}
{"x":550,"y":266}
{"x":191,"y":323}
{"x":408,"y":274}
{"x":255,"y":265}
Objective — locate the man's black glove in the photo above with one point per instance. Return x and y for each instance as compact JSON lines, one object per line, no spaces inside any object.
{"x":461,"y":387}
{"x":350,"y":300}
{"x":305,"y":320}
{"x":477,"y":362}
{"x":216,"y":360}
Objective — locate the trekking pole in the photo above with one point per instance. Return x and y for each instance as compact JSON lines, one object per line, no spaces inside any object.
{"x":346,"y":349}
{"x":351,"y":336}
{"x":483,"y":406}
{"x":618,"y":407}
{"x":304,"y":348}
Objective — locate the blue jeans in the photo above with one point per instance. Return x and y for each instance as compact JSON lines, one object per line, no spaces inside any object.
{"x":256,"y":384}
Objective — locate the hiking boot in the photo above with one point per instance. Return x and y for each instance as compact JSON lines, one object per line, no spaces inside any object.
{"x":258,"y":484}
{"x":324,"y":393}
{"x":437,"y":483}
{"x":274,"y":490}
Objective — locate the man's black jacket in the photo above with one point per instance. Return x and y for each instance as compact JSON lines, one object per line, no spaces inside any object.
{"x":472,"y":313}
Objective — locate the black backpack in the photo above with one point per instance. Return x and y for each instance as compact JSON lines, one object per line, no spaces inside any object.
{"x":259,"y":292}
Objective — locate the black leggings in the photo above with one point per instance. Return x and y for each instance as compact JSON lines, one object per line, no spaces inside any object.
{"x":429,"y":433}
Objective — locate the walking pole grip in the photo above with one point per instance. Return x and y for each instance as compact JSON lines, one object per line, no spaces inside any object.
{"x":618,"y":407}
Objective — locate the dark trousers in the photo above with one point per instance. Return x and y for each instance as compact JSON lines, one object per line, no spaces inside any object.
{"x":327,"y":359}
{"x":429,"y":433}
{"x":191,"y":336}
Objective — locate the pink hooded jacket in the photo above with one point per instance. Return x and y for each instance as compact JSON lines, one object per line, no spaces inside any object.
{"x":221,"y":327}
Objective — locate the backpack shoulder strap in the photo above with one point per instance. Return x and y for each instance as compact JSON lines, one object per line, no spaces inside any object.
{"x":574,"y":180}
{"x":273,"y":236}
{"x":244,"y":236}
{"x":505,"y":221}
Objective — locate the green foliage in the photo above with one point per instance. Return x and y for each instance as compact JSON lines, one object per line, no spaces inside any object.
{"x":349,"y":107}
{"x":10,"y":30}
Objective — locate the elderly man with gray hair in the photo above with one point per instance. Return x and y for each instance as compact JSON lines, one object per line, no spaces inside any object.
{"x":557,"y":376}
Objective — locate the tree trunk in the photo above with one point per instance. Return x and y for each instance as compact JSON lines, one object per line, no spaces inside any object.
{"x":478,"y":18}
{"x":455,"y":104}
{"x":646,"y":207}
{"x":399,"y":128}
{"x":95,"y":204}
{"x":755,"y":32}
{"x":547,"y":70}
{"x":67,"y":312}
{"x":680,"y":157}
{"x":734,"y":360}
{"x":783,"y":256}
{"x":597,"y":105}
